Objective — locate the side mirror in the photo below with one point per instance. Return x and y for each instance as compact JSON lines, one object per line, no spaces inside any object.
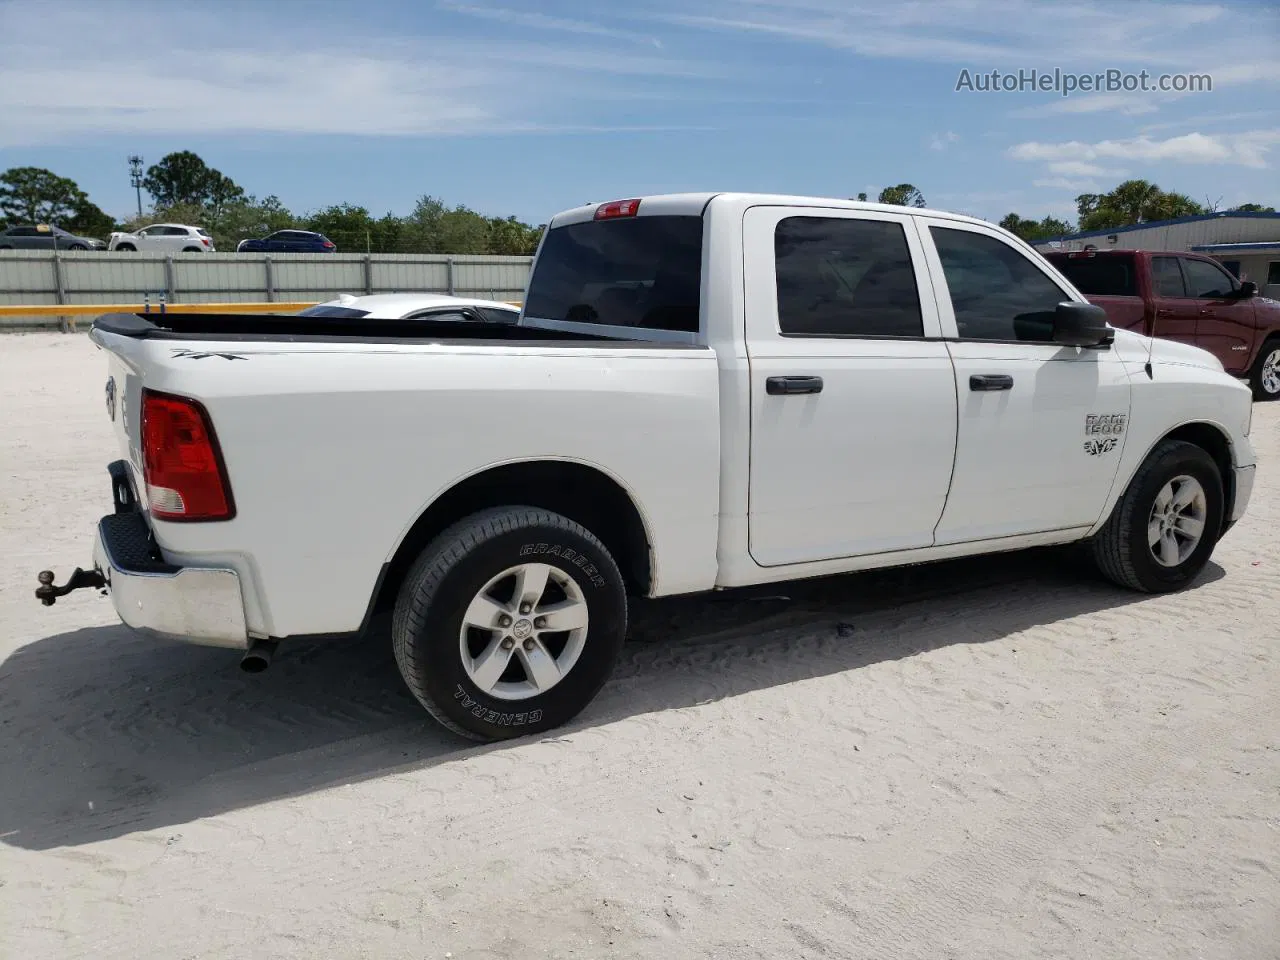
{"x":1081,"y":325}
{"x":1247,"y":289}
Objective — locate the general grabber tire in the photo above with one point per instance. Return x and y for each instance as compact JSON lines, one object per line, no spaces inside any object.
{"x":509,"y":623}
{"x":1164,"y":528}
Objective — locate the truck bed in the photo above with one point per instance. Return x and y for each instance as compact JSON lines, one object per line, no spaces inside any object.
{"x":337,"y":433}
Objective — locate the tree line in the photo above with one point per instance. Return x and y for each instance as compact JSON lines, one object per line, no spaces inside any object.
{"x":184,"y":189}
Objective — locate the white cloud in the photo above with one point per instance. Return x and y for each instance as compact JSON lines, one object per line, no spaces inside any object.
{"x":1073,"y":34}
{"x":1078,"y":168}
{"x":1248,"y":149}
{"x":1065,"y":183}
{"x":1125,"y":105}
{"x":1078,"y":36}
{"x":535,"y":21}
{"x":244,"y":75}
{"x":940,"y":141}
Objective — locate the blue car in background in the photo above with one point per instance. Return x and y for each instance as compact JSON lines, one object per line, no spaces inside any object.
{"x":289,"y":241}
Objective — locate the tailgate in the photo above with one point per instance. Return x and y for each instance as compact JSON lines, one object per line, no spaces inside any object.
{"x":124,"y":376}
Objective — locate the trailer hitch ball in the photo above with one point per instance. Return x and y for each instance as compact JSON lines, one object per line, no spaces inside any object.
{"x":48,"y":593}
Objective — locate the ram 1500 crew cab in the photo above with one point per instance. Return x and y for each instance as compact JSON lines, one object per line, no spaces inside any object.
{"x":703,"y":391}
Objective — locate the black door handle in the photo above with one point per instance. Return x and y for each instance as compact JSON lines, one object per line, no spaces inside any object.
{"x":990,"y":381}
{"x":783,"y":386}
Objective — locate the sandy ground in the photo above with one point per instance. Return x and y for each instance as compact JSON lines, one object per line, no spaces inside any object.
{"x":1000,"y":758}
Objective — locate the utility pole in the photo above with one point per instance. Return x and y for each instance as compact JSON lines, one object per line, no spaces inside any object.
{"x":135,"y":178}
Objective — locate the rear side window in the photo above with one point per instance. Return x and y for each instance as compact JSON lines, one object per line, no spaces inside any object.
{"x":840,"y":277}
{"x":1109,"y":276}
{"x":1167,"y":277}
{"x":996,"y":292}
{"x":627,"y":272}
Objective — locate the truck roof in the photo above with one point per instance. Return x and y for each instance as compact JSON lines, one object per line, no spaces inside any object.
{"x":693,"y":204}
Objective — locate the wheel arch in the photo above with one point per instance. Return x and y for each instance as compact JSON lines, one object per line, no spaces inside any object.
{"x":580,"y":491}
{"x":1208,"y":436}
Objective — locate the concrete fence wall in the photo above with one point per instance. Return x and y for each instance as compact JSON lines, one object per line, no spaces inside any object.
{"x":46,"y":277}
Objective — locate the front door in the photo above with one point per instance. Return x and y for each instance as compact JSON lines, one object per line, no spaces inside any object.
{"x":1041,"y":425}
{"x":1226,"y":323}
{"x":853,"y":406}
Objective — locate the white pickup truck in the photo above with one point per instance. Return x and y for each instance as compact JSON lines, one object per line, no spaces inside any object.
{"x":702,"y":391}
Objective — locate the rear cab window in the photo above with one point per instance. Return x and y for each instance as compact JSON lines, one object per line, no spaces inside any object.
{"x":641,"y":272}
{"x":1113,"y":275}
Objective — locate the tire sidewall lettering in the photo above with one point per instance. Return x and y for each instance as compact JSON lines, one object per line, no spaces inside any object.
{"x":566,"y":555}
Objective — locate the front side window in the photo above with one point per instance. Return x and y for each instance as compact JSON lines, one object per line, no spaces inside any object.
{"x":1168,"y":277}
{"x":627,"y":272}
{"x":1273,"y":272}
{"x":840,"y":277}
{"x":996,"y":292}
{"x":1206,"y":281}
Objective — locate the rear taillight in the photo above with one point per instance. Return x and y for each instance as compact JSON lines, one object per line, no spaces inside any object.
{"x":328,"y":244}
{"x":205,"y":241}
{"x":182,"y":465}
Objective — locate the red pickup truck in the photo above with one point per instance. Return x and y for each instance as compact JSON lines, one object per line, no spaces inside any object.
{"x":1187,"y":297}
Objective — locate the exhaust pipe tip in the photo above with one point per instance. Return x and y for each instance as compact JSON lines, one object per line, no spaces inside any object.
{"x":258,"y":657}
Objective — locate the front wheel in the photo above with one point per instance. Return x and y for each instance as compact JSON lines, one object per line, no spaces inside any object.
{"x":1164,"y":528}
{"x":509,"y":623}
{"x":126,"y":248}
{"x":1265,"y":376}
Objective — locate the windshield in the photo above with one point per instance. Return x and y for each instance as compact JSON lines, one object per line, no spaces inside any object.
{"x":627,"y":272}
{"x":328,"y":310}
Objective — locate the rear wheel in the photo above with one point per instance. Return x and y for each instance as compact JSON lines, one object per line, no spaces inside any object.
{"x":1163,"y":531}
{"x":1265,"y":376}
{"x":191,"y":250}
{"x":509,"y":623}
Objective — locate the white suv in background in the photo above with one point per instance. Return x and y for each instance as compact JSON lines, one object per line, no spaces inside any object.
{"x":163,"y":238}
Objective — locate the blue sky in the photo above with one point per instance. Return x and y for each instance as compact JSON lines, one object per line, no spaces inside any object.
{"x":529,"y":108}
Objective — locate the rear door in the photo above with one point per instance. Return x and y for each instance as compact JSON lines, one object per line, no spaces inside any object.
{"x":176,"y":239}
{"x":1041,"y":425}
{"x":1226,"y":324}
{"x":21,"y":238}
{"x":853,"y":404}
{"x":1176,"y":316}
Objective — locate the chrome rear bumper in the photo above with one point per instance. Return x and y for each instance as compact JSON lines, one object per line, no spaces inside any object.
{"x":201,"y":605}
